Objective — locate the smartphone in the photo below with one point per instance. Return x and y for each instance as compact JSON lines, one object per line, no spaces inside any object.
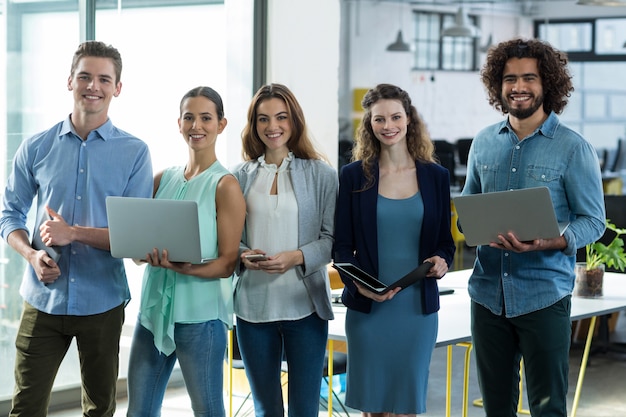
{"x":256,"y":257}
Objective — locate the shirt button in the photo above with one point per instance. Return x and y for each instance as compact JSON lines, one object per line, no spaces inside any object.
{"x":543,"y":177}
{"x":78,"y":197}
{"x":514,"y":170}
{"x":517,"y":147}
{"x":83,"y":144}
{"x":72,"y":280}
{"x":506,"y":254}
{"x":506,"y":274}
{"x":81,"y":170}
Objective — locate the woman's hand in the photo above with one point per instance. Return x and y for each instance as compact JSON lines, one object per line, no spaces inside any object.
{"x":161,"y":260}
{"x":249,"y":263}
{"x":278,"y":263}
{"x":376,"y":297}
{"x":439,"y":268}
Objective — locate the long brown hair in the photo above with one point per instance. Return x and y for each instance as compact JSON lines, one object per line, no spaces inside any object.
{"x":300,"y":142}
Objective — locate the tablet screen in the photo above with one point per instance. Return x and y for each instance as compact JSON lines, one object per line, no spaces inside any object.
{"x":361,"y":276}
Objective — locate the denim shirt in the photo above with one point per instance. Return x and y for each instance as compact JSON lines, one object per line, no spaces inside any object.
{"x":553,"y":156}
{"x":74,"y":177}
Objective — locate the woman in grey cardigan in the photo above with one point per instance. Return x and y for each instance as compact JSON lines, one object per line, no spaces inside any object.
{"x":282,"y":301}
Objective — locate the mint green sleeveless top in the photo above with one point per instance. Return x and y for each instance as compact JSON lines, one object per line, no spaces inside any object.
{"x":168,"y":297}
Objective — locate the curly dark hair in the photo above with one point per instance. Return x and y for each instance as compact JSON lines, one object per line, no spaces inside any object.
{"x":367,"y":147}
{"x":552,"y":63}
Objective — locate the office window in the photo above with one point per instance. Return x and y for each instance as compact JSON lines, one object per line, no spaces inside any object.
{"x":597,"y":61}
{"x":432,"y":52}
{"x":167,"y":47}
{"x":568,"y":37}
{"x":610,"y":37}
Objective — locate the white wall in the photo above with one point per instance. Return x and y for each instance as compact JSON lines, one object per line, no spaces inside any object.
{"x":303,"y":54}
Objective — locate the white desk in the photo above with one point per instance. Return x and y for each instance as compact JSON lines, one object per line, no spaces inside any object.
{"x":454,"y":322}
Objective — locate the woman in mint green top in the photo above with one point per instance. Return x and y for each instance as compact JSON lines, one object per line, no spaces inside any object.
{"x":186,"y":308}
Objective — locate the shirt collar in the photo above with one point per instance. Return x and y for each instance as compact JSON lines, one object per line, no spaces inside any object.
{"x":283,"y":166}
{"x":547,"y":128}
{"x":103,"y":131}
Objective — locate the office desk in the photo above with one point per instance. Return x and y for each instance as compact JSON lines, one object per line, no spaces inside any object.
{"x":454,"y":322}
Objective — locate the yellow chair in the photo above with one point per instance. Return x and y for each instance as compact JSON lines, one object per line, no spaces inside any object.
{"x":458,"y":237}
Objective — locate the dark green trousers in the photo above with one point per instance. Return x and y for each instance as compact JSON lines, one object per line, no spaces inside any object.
{"x":543,"y":339}
{"x":41,"y":344}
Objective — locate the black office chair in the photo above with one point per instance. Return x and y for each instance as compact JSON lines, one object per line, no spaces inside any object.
{"x":445,"y":154}
{"x":462,"y":148}
{"x":619,"y":162}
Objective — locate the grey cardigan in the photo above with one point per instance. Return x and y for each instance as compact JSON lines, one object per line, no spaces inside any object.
{"x":315,"y":184}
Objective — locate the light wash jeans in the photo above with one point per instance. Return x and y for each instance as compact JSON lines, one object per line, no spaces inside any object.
{"x":303,"y":344}
{"x":200,"y":349}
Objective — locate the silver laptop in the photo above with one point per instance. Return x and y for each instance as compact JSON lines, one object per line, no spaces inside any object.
{"x":528,"y":213}
{"x":137,"y":225}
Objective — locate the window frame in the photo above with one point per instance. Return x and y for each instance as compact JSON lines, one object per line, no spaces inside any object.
{"x":447,"y":48}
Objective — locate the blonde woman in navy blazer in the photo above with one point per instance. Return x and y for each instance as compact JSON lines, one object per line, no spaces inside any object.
{"x":392,"y":214}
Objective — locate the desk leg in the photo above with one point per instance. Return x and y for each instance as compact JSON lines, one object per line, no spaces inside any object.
{"x":583,"y":365}
{"x":330,"y":377}
{"x":468,"y":350}
{"x":449,"y":381}
{"x":230,"y":373}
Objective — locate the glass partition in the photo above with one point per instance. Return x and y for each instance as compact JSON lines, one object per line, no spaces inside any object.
{"x":167,"y":47}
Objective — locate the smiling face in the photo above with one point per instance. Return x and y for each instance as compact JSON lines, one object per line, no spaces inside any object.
{"x":273,"y":125}
{"x":199,"y":123}
{"x":389,"y":121}
{"x":93,"y":86}
{"x":522,"y":90}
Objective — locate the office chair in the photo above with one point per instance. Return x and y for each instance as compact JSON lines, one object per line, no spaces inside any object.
{"x":462,"y":148}
{"x":445,"y":153}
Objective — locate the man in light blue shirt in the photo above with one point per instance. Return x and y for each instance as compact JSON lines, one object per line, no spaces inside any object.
{"x":73,"y":287}
{"x":521,"y":291}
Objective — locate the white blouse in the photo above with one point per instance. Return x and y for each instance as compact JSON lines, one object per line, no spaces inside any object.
{"x":272,"y":226}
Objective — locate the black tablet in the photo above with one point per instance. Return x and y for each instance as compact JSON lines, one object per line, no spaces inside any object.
{"x":378,"y":287}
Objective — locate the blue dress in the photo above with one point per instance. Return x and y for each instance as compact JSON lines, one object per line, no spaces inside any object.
{"x":389,"y":349}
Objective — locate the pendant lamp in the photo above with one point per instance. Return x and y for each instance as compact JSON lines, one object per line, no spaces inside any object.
{"x":462,"y":27}
{"x":399,"y":45}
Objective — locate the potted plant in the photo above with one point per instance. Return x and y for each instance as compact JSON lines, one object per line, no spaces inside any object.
{"x":590,"y":274}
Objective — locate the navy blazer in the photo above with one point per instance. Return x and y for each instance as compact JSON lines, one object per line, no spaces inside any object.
{"x":356,"y":237}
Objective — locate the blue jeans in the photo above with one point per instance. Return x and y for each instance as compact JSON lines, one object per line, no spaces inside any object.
{"x":200,"y":349}
{"x":303,"y":344}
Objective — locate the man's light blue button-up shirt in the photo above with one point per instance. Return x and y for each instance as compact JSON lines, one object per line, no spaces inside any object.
{"x":553,"y":156}
{"x":74,"y":177}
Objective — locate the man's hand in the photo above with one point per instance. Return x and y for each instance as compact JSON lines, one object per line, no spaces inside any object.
{"x":46,"y":269}
{"x":510,"y":242}
{"x":56,"y":231}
